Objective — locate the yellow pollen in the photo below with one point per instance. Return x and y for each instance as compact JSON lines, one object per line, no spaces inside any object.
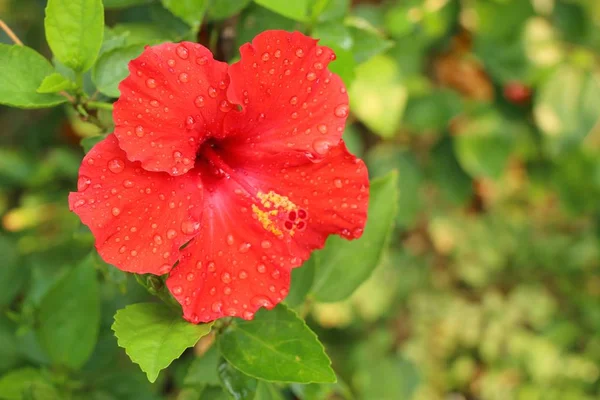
{"x":277,"y":202}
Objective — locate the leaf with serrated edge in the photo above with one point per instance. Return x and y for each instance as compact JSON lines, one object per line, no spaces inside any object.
{"x":153,"y":335}
{"x":276,"y":346}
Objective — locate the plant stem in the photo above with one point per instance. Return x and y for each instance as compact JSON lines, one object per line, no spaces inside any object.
{"x":10,"y":33}
{"x":99,"y":105}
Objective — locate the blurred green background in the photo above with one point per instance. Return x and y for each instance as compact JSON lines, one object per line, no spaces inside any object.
{"x":490,"y":288}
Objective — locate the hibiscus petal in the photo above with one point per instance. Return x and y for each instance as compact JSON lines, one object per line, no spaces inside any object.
{"x":242,"y":258}
{"x":140,"y":219}
{"x":172,"y":100}
{"x":289,"y":99}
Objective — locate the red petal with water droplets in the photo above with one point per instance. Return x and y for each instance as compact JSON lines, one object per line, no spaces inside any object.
{"x":140,"y":219}
{"x":289,"y":99}
{"x":233,"y":267}
{"x":256,"y":231}
{"x":172,"y":100}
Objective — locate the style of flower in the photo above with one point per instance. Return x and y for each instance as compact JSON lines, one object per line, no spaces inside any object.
{"x":224,"y":177}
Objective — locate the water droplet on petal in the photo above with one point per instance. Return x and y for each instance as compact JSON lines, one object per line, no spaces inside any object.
{"x":211,"y":267}
{"x":265,"y":57}
{"x":248,"y":315}
{"x":212,"y":92}
{"x":261,"y":268}
{"x":183,"y":77}
{"x":341,"y":111}
{"x":171,"y":62}
{"x":164,"y":269}
{"x":226,"y":277}
{"x":79,"y":203}
{"x":338,"y":183}
{"x":244,"y":247}
{"x":115,"y":211}
{"x":158,"y":239}
{"x":322,"y":128}
{"x":265,"y":244}
{"x":151,"y":83}
{"x":243,"y":274}
{"x":139,"y":131}
{"x":230,"y":239}
{"x":116,"y":165}
{"x":199,"y":102}
{"x":225,"y":106}
{"x":190,"y":277}
{"x":227,"y":290}
{"x":189,"y":227}
{"x":83,"y":183}
{"x":261,"y":301}
{"x":202,"y":60}
{"x":299,"y":53}
{"x":276,"y":274}
{"x":294,"y":100}
{"x":321,"y":146}
{"x":128,"y":183}
{"x":311,"y":76}
{"x":216,"y":306}
{"x":171,"y":233}
{"x":177,"y":290}
{"x":182,"y":52}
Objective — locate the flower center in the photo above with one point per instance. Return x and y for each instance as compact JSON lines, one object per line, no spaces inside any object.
{"x":276,"y":213}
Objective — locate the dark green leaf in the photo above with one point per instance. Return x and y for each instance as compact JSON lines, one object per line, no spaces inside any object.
{"x":9,"y":352}
{"x":214,"y":393}
{"x":267,"y":391}
{"x":191,"y":11}
{"x":452,"y":180}
{"x":74,"y":30}
{"x":55,"y":83}
{"x":257,"y":19}
{"x":367,"y":44}
{"x":276,"y":346}
{"x":355,"y":260}
{"x":12,"y":273}
{"x":112,"y":68}
{"x":296,"y":10}
{"x":69,"y":317}
{"x":23,"y":71}
{"x":239,"y":386}
{"x":154,"y":335}
{"x":89,"y":142}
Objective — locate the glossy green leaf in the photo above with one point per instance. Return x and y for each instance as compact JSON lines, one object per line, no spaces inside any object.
{"x":238,"y":385}
{"x":23,"y":71}
{"x":74,"y":30}
{"x":191,"y":11}
{"x":69,"y":317}
{"x":378,"y":96}
{"x":55,"y":83}
{"x":203,"y":370}
{"x":112,"y":68}
{"x":296,"y":10}
{"x":154,"y":335}
{"x":276,"y":346}
{"x":224,"y":9}
{"x":355,"y":260}
{"x":302,"y":280}
{"x":213,"y":393}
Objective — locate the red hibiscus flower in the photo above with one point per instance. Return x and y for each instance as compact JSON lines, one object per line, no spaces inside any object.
{"x":224,"y":177}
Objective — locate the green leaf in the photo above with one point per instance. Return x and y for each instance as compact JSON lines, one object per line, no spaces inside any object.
{"x":378,"y":96}
{"x":267,"y":391}
{"x":239,"y":386}
{"x":367,"y":44}
{"x":9,"y":351}
{"x":296,"y":10}
{"x":203,"y":370}
{"x":355,"y":260}
{"x":328,"y":10}
{"x":74,"y":30}
{"x":567,"y":107}
{"x":191,"y":11}
{"x":112,"y":68}
{"x":224,"y":9}
{"x":257,"y":19}
{"x":55,"y":83}
{"x":23,"y":71}
{"x":452,"y":180}
{"x":12,"y":273}
{"x":484,"y":143}
{"x":154,"y":335}
{"x":19,"y":383}
{"x":69,"y":317}
{"x":302,"y":280}
{"x":276,"y":346}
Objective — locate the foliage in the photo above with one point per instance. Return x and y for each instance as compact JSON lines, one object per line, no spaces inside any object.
{"x":478,"y":274}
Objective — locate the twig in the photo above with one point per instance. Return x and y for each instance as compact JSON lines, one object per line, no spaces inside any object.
{"x":10,"y":33}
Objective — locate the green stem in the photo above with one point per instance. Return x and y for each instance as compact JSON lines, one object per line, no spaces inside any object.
{"x":99,"y":105}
